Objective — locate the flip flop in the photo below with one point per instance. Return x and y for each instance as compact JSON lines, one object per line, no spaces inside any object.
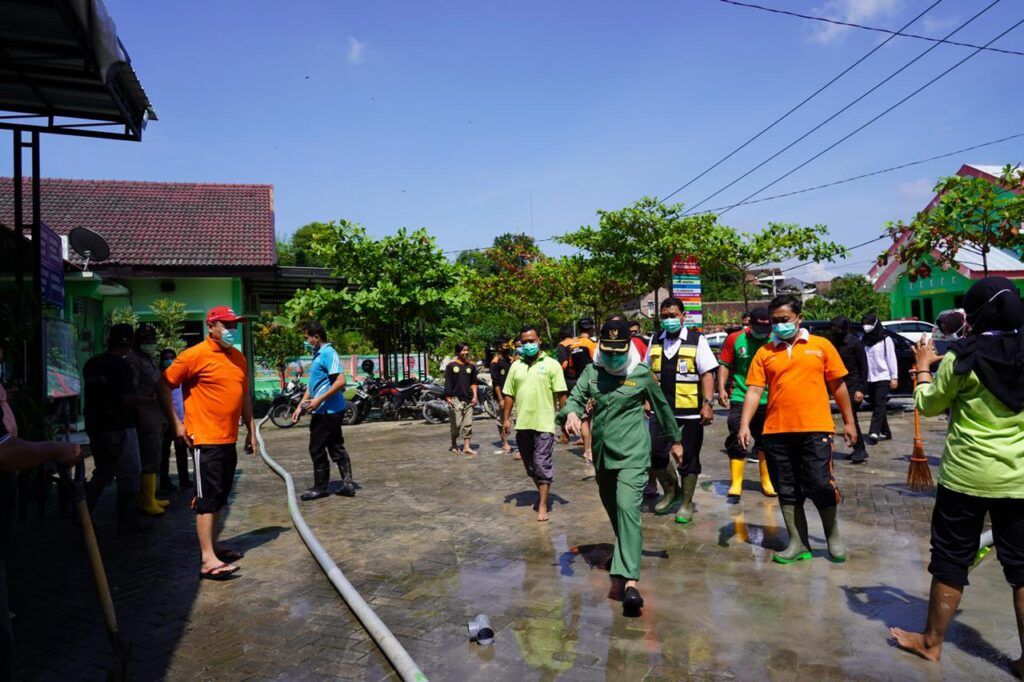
{"x":216,"y":573}
{"x":229,"y":555}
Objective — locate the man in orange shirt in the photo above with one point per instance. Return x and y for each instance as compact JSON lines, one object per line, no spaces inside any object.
{"x":795,"y":367}
{"x":215,"y":382}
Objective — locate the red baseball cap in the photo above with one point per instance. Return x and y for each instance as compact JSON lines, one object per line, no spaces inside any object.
{"x":222,"y":313}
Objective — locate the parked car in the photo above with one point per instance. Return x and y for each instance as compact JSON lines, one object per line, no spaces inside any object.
{"x":716,"y":340}
{"x":911,"y":329}
{"x":904,"y":351}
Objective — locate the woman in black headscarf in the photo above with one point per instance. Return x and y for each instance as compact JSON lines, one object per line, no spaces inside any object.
{"x":981,"y":381}
{"x":883,"y":374}
{"x":851,"y":350}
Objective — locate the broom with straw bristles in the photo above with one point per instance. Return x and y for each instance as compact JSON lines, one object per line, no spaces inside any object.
{"x":919,"y":476}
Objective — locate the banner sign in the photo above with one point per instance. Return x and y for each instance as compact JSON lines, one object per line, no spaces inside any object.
{"x":51,"y":263}
{"x":686,"y":287}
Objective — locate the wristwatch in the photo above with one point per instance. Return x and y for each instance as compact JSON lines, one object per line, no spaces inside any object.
{"x":709,"y":401}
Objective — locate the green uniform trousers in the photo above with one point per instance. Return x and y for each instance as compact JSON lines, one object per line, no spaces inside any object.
{"x":622,"y":492}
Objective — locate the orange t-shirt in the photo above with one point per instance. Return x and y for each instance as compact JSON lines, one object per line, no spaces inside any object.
{"x":213,"y":382}
{"x":795,"y":377}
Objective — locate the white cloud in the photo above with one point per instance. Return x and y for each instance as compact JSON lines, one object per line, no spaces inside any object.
{"x":356,"y":51}
{"x":855,"y":11}
{"x":920,"y":190}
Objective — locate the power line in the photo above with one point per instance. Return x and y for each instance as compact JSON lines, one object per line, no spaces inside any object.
{"x":866,"y":175}
{"x":869,"y":122}
{"x":814,"y":94}
{"x":838,"y":22}
{"x":843,"y":109}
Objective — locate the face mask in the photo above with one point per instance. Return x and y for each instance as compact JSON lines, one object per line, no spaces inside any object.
{"x":228,"y":336}
{"x":310,"y":347}
{"x":529,"y":350}
{"x":504,"y":352}
{"x":148,"y":348}
{"x":785,"y":330}
{"x":868,"y":327}
{"x":671,"y":324}
{"x":758,"y":335}
{"x":615,"y":361}
{"x":166,"y":363}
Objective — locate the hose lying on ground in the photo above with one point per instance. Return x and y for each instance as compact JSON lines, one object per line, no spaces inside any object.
{"x":392,"y":648}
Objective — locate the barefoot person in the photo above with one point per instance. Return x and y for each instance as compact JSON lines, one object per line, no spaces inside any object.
{"x":215,"y":382}
{"x":618,"y":385}
{"x":534,"y":384}
{"x":795,"y":368}
{"x":980,"y":381}
{"x":460,"y":394}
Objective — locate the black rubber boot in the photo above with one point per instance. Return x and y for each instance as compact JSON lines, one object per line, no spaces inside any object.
{"x":321,"y":477}
{"x":796,"y":523}
{"x":348,"y":486}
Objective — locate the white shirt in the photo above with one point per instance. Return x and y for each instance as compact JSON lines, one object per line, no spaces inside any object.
{"x":882,"y":361}
{"x":705,"y":357}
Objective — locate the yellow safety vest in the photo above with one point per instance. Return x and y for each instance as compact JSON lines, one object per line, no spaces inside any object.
{"x":678,"y":375}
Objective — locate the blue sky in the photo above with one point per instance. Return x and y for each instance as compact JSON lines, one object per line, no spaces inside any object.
{"x":453,"y":115}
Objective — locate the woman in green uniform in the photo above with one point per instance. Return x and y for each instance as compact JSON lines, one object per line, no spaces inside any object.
{"x":614,"y":388}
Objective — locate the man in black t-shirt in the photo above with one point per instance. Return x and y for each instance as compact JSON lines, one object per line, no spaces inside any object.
{"x":110,"y":422}
{"x":15,"y":455}
{"x":500,"y":364}
{"x":460,"y":394}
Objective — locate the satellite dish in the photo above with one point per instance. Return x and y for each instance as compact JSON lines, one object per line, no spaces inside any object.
{"x":89,"y":245}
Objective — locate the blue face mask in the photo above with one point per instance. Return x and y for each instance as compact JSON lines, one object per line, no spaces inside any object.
{"x":785,"y":330}
{"x":614,"y":361}
{"x":671,"y":324}
{"x":310,"y":347}
{"x":529,"y":350}
{"x":228,"y":336}
{"x":166,"y":363}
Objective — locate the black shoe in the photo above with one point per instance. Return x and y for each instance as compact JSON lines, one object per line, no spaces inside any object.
{"x":314,"y":494}
{"x":346,"y":490}
{"x":859,"y":457}
{"x":632,"y":602}
{"x":872,"y":439}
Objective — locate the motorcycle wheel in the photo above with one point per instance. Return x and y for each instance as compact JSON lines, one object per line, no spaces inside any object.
{"x":433,"y":414}
{"x":491,"y":407}
{"x":351,"y":412}
{"x":281,"y":415}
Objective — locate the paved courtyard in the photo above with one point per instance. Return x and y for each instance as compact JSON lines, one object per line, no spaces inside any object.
{"x":432,"y":539}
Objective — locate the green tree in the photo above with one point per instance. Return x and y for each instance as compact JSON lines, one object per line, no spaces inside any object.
{"x":972,"y":215}
{"x":170,"y":323}
{"x":276,"y":342}
{"x":399,"y":281}
{"x":285,"y":255}
{"x":123,"y":315}
{"x":852,"y":296}
{"x":299,"y":250}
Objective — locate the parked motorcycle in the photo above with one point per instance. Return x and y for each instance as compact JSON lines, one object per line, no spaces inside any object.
{"x":284,"y":404}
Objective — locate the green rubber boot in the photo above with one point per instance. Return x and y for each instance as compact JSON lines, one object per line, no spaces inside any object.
{"x":685,"y":513}
{"x":836,"y":546}
{"x":669,"y":479}
{"x":796,"y":523}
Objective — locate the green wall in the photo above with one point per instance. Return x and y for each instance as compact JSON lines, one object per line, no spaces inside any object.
{"x":943,"y":289}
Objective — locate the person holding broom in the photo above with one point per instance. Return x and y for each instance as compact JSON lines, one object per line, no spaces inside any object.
{"x":981,"y":381}
{"x":617,"y":385}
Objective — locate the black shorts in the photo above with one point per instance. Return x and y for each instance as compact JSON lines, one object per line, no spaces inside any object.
{"x":800,"y":467}
{"x":215,"y":475}
{"x":957,"y":523}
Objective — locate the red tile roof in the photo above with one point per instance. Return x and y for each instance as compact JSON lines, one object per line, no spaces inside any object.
{"x":162,"y":224}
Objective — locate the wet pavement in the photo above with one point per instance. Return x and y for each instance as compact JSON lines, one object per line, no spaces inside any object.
{"x":432,"y":539}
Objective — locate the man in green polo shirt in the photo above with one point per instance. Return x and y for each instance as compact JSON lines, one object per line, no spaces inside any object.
{"x":533,"y":386}
{"x":734,"y":361}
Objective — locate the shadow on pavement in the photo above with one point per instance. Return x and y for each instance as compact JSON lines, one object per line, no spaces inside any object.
{"x":528,"y":498}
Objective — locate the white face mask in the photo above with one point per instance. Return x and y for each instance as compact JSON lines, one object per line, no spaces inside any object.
{"x":868,"y":327}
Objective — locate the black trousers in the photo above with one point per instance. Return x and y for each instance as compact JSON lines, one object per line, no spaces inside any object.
{"x":325,"y":440}
{"x":732,"y":442}
{"x":180,"y":458}
{"x":957,"y":523}
{"x":693,"y":440}
{"x":800,"y":466}
{"x":878,"y":391}
{"x":859,"y":446}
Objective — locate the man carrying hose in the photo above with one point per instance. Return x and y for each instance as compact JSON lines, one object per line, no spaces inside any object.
{"x":215,"y":381}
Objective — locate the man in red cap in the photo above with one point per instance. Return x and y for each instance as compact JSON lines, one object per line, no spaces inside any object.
{"x":215,"y":382}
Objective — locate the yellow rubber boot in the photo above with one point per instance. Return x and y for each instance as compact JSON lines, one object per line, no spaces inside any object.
{"x":736,"y":472}
{"x":766,"y":482}
{"x":147,"y":496}
{"x":162,"y":503}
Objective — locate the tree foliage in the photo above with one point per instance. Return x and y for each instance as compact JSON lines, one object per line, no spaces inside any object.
{"x":170,"y":323}
{"x":298,"y":250}
{"x":276,"y":342}
{"x":972,"y":215}
{"x":852,"y":296}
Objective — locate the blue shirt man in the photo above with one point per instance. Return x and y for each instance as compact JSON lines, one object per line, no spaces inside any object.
{"x":325,"y":399}
{"x":325,"y":368}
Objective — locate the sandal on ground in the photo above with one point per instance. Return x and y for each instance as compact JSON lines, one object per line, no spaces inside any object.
{"x":218,"y":572}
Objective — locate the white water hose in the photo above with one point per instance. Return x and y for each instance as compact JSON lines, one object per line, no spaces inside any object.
{"x":388,"y":643}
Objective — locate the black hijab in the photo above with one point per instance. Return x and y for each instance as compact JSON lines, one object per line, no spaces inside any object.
{"x":994,"y":350}
{"x":877,"y":332}
{"x":842,"y":326}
